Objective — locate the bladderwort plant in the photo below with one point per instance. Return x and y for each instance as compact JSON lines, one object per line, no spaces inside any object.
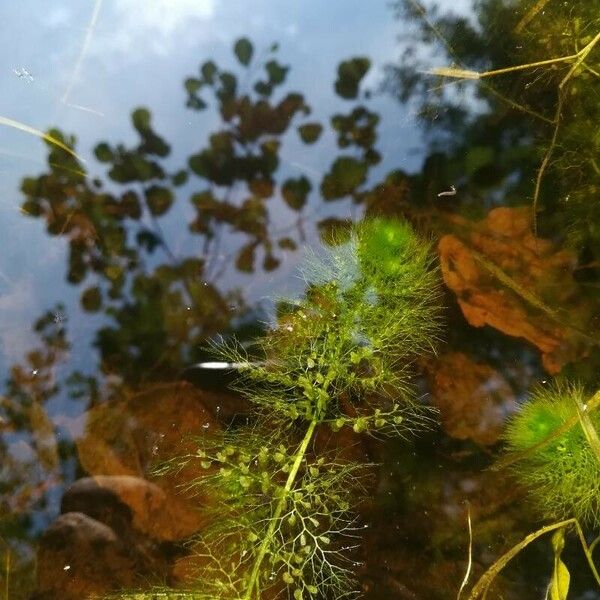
{"x":554,"y":452}
{"x":283,"y":522}
{"x":562,"y":474}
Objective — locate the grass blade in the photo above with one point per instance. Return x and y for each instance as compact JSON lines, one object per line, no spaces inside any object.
{"x":38,"y":133}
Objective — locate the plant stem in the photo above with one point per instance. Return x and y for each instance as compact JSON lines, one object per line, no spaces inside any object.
{"x":482,"y":586}
{"x":7,"y":589}
{"x":252,"y":584}
{"x":580,"y":56}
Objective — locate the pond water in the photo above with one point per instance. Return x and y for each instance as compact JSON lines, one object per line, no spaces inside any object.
{"x":167,"y":171}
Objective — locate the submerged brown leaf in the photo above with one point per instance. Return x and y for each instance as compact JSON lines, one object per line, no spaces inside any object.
{"x":505,"y":277}
{"x":473,"y":398}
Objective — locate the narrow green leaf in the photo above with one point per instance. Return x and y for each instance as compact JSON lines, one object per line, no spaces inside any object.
{"x":561,"y":578}
{"x":480,"y":588}
{"x":589,"y":430}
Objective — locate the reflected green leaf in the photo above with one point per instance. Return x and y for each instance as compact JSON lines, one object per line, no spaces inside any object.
{"x":270,"y":262}
{"x":310,"y":132}
{"x":287,"y":243}
{"x":77,"y":267}
{"x":192,"y":85}
{"x":159,"y":199}
{"x":147,"y":239}
{"x":263,"y":88}
{"x":261,"y":187}
{"x":180,"y":177}
{"x":91,"y":299}
{"x":345,"y":176}
{"x":276,"y":72}
{"x":141,"y":119}
{"x":196,"y":103}
{"x":208,"y":71}
{"x":349,"y":75}
{"x":245,"y":258}
{"x":31,"y":208}
{"x":295,"y":191}
{"x":131,"y":205}
{"x":228,"y":86}
{"x":132,"y":167}
{"x":103,"y":152}
{"x":243,"y":50}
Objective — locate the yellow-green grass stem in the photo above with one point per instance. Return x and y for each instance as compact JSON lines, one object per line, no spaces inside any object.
{"x":481,"y":588}
{"x":42,"y":135}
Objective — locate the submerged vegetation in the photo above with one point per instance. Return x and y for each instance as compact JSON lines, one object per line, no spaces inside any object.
{"x":561,"y":468}
{"x":508,"y":186}
{"x":554,"y":451}
{"x":552,"y":441}
{"x":284,"y":513}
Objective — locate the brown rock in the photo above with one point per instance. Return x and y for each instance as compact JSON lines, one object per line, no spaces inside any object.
{"x":128,"y":438}
{"x":123,"y":500}
{"x":131,"y":435}
{"x":79,"y":557}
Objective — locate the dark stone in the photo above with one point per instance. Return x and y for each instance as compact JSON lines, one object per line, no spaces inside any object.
{"x":101,"y":503}
{"x":79,"y":557}
{"x":114,"y":533}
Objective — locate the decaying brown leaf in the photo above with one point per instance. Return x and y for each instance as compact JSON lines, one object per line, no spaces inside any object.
{"x":144,"y":428}
{"x":505,"y":277}
{"x":473,"y":398}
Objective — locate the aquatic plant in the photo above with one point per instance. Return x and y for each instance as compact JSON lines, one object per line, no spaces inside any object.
{"x":554,"y":451}
{"x":562,"y":474}
{"x":282,"y":516}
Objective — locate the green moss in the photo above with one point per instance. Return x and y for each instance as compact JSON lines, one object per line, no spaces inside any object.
{"x":563,"y":474}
